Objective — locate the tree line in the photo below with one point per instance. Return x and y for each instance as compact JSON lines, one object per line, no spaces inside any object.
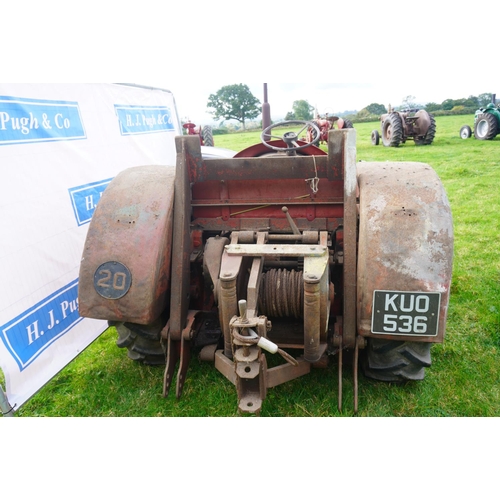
{"x":236,"y":102}
{"x":464,"y":106}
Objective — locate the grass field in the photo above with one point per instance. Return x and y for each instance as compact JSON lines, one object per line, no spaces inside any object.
{"x":464,"y":379}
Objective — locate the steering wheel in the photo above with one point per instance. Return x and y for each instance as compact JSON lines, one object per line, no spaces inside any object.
{"x":290,"y":138}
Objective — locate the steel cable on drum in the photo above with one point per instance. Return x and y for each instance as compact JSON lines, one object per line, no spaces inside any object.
{"x":281,"y":294}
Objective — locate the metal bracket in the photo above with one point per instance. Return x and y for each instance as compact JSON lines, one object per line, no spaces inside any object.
{"x":178,"y":351}
{"x":355,"y":368}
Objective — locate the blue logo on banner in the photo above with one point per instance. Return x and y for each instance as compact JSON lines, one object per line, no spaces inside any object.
{"x":143,"y":119}
{"x":28,"y":335}
{"x":31,"y":120}
{"x":85,"y":198}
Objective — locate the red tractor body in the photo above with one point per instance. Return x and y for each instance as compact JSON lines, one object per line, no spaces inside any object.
{"x":286,"y":252}
{"x":325,"y":125}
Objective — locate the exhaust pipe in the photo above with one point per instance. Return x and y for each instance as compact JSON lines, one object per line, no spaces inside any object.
{"x":266,"y":113}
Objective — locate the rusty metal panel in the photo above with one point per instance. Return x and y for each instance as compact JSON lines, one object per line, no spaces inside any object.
{"x":188,"y":159}
{"x":350,"y":235}
{"x":405,"y":237}
{"x":129,"y":236}
{"x":336,"y":144}
{"x":274,"y":167}
{"x":278,"y":226}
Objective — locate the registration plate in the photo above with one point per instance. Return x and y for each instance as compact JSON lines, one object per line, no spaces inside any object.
{"x":406,"y":313}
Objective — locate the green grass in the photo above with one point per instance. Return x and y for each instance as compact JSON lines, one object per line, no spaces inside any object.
{"x":464,"y":379}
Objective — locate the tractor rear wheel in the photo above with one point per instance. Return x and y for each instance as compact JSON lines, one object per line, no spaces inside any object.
{"x":348,"y":124}
{"x":486,"y":127}
{"x":396,"y":361}
{"x":207,"y":136}
{"x":143,"y":342}
{"x":392,"y":130}
{"x":429,"y":135}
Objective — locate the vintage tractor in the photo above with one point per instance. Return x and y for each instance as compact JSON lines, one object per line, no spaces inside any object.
{"x":283,"y":251}
{"x":486,"y":122}
{"x":205,"y":133}
{"x":399,"y":126}
{"x":325,"y":124}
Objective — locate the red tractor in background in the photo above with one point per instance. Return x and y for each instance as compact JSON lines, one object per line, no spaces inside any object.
{"x":205,"y":133}
{"x":325,"y":125}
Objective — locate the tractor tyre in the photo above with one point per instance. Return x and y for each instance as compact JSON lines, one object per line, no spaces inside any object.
{"x":429,"y":135}
{"x":486,"y":127}
{"x":396,"y":361}
{"x":207,"y":136}
{"x":348,"y":124}
{"x":392,"y":131}
{"x":143,"y":342}
{"x":465,"y":132}
{"x":313,"y":138}
{"x":375,"y":138}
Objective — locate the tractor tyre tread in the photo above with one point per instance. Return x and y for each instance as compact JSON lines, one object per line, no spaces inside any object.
{"x":207,"y":136}
{"x":429,"y":136}
{"x":396,"y":361}
{"x":395,"y":123}
{"x":142,"y":342}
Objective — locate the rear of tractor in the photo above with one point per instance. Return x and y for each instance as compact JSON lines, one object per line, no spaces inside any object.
{"x":325,"y":124}
{"x":282,"y":251}
{"x":486,"y":122}
{"x":399,"y":126}
{"x":204,"y":133}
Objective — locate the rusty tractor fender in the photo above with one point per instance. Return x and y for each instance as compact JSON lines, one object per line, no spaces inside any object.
{"x":127,"y":252}
{"x":405,"y":238}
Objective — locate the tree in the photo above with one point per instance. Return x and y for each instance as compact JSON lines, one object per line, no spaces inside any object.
{"x":302,"y":110}
{"x":471,"y":102}
{"x":432,"y":106}
{"x":447,"y":104}
{"x":408,"y":102}
{"x":483,"y":100}
{"x":376,"y":109}
{"x":234,"y":102}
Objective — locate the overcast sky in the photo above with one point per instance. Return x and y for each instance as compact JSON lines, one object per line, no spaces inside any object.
{"x":430,"y":50}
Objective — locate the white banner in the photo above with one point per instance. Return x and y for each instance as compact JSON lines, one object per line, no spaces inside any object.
{"x":60,"y":146}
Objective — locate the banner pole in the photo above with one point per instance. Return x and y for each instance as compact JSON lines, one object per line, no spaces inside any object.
{"x":7,"y":410}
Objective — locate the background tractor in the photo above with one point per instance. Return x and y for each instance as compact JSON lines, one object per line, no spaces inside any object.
{"x":271,"y":263}
{"x":205,"y":133}
{"x":486,"y":122}
{"x":325,"y":124}
{"x":399,"y":126}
